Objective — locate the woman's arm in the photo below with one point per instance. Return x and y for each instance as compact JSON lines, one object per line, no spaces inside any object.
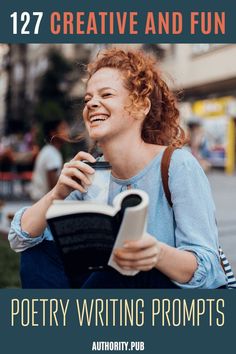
{"x":33,"y":220}
{"x":72,"y":177}
{"x":149,"y":253}
{"x":194,"y":262}
{"x":178,"y":265}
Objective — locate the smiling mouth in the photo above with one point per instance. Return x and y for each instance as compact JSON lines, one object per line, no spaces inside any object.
{"x":98,"y":118}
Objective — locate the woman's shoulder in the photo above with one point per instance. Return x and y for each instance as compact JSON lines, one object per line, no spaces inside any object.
{"x":182,"y":160}
{"x":187,"y":178}
{"x":183,"y":156}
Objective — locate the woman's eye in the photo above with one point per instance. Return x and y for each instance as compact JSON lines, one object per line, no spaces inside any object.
{"x":107,"y":94}
{"x":86,"y":100}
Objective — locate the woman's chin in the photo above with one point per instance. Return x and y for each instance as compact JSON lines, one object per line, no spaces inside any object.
{"x":97,"y":134}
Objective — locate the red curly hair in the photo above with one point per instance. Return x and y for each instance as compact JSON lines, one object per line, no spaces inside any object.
{"x":141,"y":78}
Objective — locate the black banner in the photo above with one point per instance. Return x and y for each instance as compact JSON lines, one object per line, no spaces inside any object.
{"x":86,"y":321}
{"x":118,"y":21}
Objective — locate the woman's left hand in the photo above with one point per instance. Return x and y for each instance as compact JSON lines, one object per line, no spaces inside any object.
{"x":139,"y":255}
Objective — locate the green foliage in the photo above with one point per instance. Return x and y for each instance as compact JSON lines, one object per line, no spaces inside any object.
{"x":53,"y":100}
{"x":55,"y":79}
{"x":50,"y":110}
{"x":9,"y":266}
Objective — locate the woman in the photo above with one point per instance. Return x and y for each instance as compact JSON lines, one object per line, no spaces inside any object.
{"x":131,"y":114}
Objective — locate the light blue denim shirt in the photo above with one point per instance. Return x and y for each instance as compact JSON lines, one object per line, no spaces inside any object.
{"x":190,"y":225}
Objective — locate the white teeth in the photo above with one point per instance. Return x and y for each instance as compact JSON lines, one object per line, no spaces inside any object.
{"x":98,"y":118}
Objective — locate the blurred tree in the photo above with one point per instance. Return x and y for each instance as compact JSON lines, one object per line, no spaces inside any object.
{"x":55,"y":81}
{"x":53,"y":99}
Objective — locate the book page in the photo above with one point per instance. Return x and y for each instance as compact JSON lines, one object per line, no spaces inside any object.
{"x":132,"y":228}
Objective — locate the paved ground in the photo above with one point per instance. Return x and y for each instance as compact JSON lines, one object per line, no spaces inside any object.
{"x":224,"y":193}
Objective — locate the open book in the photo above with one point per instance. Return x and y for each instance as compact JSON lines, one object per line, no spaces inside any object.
{"x":86,"y":232}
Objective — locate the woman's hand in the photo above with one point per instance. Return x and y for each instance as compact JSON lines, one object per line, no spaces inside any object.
{"x":74,"y":176}
{"x":139,"y":255}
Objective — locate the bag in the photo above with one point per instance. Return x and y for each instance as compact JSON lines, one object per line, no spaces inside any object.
{"x":165,"y":163}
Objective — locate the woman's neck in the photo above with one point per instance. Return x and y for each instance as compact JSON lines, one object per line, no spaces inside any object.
{"x":130,"y":157}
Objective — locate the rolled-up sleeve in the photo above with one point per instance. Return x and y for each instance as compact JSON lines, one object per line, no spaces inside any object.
{"x":19,"y":239}
{"x":194,"y":211}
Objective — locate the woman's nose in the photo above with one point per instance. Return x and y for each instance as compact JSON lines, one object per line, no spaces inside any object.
{"x":93,"y":103}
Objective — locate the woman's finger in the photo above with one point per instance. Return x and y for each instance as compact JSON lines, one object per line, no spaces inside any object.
{"x":144,"y":242}
{"x":77,"y":175}
{"x":82,"y":155}
{"x":72,"y":184}
{"x":138,"y":264}
{"x":134,"y":254}
{"x":80,"y":166}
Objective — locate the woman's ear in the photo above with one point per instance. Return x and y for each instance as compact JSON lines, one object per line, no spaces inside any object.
{"x":147,"y":106}
{"x":142,"y":110}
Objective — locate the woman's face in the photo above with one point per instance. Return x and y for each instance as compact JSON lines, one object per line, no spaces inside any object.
{"x":105,"y":113}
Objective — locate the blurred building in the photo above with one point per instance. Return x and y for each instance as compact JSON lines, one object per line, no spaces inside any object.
{"x":26,"y":65}
{"x":3,"y":84}
{"x":206,"y":75}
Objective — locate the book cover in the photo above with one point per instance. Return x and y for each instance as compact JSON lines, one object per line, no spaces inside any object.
{"x":195,"y":42}
{"x":87,"y":232}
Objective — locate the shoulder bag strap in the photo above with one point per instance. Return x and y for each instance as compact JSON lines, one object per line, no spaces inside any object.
{"x":165,"y":163}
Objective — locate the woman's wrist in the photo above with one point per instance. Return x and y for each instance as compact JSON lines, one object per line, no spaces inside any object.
{"x":178,"y":265}
{"x":160,"y":253}
{"x":54,"y":195}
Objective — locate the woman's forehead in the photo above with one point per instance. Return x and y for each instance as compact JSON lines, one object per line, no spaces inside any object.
{"x":106,"y":77}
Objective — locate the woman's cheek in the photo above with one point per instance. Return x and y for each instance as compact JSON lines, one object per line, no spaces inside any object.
{"x":85,"y":113}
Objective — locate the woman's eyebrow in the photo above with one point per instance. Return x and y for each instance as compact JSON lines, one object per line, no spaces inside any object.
{"x":101,"y":89}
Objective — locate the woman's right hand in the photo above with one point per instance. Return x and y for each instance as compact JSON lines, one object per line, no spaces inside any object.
{"x":74,"y":176}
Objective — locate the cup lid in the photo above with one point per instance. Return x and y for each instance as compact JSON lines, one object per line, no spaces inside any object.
{"x":99,"y":165}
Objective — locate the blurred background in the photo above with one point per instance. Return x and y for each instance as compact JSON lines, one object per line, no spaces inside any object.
{"x":42,"y":83}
